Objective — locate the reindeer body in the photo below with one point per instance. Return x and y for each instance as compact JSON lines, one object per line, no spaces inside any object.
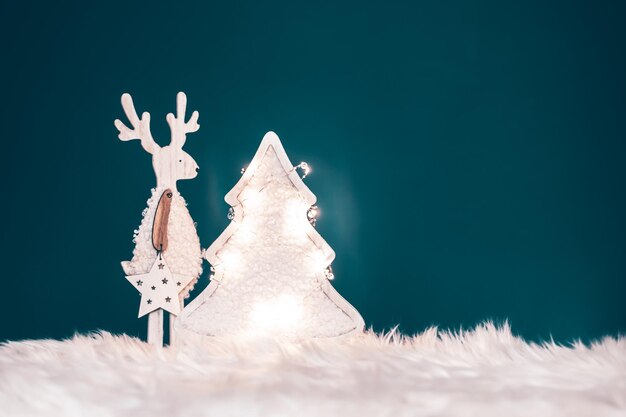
{"x":182,"y":254}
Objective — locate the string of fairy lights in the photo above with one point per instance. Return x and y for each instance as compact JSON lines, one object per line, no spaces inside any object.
{"x":312,"y":214}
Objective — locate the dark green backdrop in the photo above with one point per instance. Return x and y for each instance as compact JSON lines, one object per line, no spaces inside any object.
{"x":468,"y":156}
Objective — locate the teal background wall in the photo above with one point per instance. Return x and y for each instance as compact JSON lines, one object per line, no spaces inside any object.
{"x":469,"y":157}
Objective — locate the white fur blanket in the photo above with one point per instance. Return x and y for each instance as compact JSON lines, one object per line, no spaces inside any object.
{"x":483,"y":372}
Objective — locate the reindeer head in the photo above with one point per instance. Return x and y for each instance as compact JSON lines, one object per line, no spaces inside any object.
{"x":170,"y":162}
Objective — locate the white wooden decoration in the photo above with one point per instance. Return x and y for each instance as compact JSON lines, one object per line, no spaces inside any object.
{"x":159,"y":288}
{"x":271,"y":265}
{"x":183,"y":254}
{"x":170,"y":163}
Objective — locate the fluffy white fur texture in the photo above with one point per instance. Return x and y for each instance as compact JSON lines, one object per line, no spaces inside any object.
{"x":483,"y":372}
{"x":183,"y":255}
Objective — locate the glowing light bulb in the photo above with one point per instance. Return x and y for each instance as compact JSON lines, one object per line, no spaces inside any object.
{"x":306,"y":169}
{"x":318,"y":261}
{"x":294,"y":225}
{"x":245,"y":233}
{"x":312,"y":214}
{"x":328,"y":273}
{"x":281,"y":315}
{"x":252,"y":199}
{"x":228,"y":256}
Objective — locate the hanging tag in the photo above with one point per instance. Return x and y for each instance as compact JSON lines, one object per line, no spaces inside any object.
{"x":159,"y":227}
{"x":159,"y":288}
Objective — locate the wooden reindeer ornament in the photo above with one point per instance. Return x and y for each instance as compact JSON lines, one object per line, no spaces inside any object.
{"x":167,"y":259}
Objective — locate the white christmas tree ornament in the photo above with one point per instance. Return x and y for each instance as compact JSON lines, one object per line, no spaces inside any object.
{"x":271,"y":267}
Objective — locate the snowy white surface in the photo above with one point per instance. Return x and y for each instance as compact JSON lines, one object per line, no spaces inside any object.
{"x":485,"y":372}
{"x":183,"y":254}
{"x":270,"y":268}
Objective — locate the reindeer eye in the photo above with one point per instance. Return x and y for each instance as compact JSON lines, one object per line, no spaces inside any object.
{"x":180,"y":160}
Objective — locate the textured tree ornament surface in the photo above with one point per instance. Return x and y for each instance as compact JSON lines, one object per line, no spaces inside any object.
{"x":170,"y":163}
{"x":270,"y":262}
{"x":160,"y":288}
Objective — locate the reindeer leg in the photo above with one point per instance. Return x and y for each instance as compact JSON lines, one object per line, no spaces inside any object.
{"x":155,"y":328}
{"x":172,"y":331}
{"x":172,"y":320}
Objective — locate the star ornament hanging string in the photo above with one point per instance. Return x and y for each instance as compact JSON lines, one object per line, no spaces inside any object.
{"x":159,"y":288}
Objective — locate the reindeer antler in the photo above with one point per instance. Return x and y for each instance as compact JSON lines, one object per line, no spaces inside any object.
{"x":177,"y":124}
{"x":141,"y":126}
